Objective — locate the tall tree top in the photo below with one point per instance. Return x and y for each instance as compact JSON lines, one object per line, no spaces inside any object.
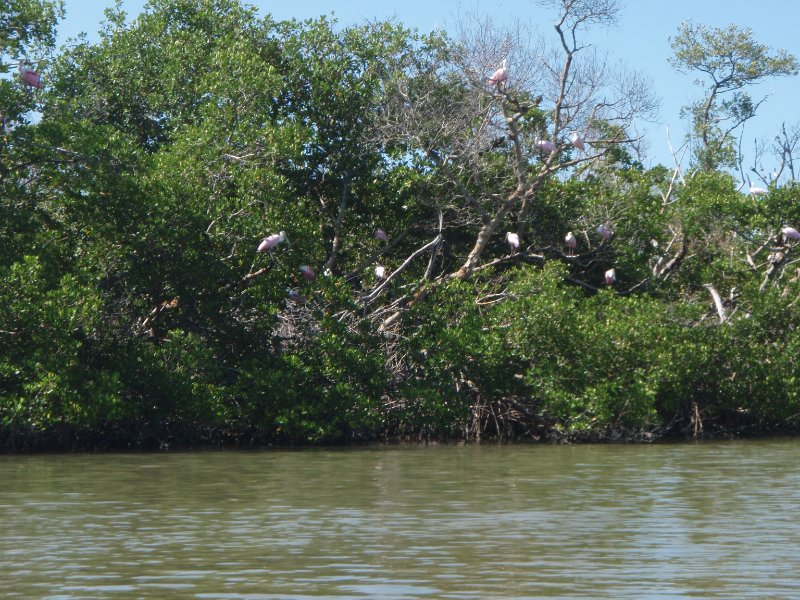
{"x":730,"y":56}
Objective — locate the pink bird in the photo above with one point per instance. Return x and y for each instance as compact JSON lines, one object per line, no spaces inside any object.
{"x":380,"y":272}
{"x":499,"y":76}
{"x":791,"y":233}
{"x":29,"y":76}
{"x":571,"y":241}
{"x":546,"y":146}
{"x":604,"y":232}
{"x":757,"y":191}
{"x":577,"y":141}
{"x":610,"y":276}
{"x":308,"y":272}
{"x":513,"y":241}
{"x":380,"y":235}
{"x":269,"y":242}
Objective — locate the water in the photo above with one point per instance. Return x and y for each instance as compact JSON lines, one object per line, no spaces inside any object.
{"x":464,"y":522}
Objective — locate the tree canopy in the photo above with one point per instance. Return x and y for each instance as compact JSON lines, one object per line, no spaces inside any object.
{"x":423,"y":285}
{"x":728,"y":60}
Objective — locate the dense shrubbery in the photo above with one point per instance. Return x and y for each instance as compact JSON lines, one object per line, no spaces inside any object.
{"x":135,"y":311}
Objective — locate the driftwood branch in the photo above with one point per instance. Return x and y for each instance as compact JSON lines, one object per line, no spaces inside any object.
{"x":435,"y":251}
{"x":377,"y":291}
{"x":717,"y":302}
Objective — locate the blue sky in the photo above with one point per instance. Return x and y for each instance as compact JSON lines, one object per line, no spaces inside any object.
{"x":640,"y":39}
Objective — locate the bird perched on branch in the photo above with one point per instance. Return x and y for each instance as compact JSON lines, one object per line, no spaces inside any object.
{"x":577,"y":141}
{"x":513,"y":241}
{"x":604,"y":232}
{"x":790,"y":233}
{"x":545,"y":146}
{"x":296,"y":296}
{"x":571,"y":242}
{"x":271,"y":241}
{"x":500,"y":75}
{"x":29,"y":76}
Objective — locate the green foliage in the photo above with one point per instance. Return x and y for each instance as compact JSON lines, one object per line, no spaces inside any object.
{"x":28,"y":26}
{"x":46,"y":366}
{"x":134,"y":308}
{"x":584,"y":361}
{"x":730,"y":55}
{"x":731,"y":59}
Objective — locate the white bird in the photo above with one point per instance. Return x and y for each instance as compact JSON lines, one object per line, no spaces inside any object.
{"x":269,"y":242}
{"x":546,"y":146}
{"x":513,"y":241}
{"x":577,"y":141}
{"x":604,"y":232}
{"x":610,"y":276}
{"x":296,"y":296}
{"x":791,"y":233}
{"x":380,"y":235}
{"x":500,"y":75}
{"x":757,"y":191}
{"x":571,"y":241}
{"x":380,"y":272}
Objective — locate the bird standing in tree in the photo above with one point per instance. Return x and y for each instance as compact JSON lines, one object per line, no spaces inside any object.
{"x":577,"y":141}
{"x":29,"y":76}
{"x":513,"y":241}
{"x":500,"y":75}
{"x":571,"y":242}
{"x":271,"y":241}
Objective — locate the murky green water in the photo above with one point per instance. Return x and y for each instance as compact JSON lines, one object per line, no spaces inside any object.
{"x":671,"y":521}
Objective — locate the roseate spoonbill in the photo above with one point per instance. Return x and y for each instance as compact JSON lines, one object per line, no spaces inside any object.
{"x":381,"y":236}
{"x":757,"y":191}
{"x":610,"y":276}
{"x":501,"y":75}
{"x":577,"y":141}
{"x":513,"y":241}
{"x":604,"y":232}
{"x":546,"y":146}
{"x":571,"y":241}
{"x":269,"y":242}
{"x":791,"y":233}
{"x":29,"y":76}
{"x":380,"y":272}
{"x":308,"y":272}
{"x":296,"y":296}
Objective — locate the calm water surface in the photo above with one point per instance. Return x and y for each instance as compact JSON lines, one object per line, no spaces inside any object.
{"x":463,"y":522}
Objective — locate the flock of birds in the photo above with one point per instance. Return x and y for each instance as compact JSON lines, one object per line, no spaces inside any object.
{"x":571,"y":243}
{"x":32,"y":79}
{"x":498,"y":79}
{"x":269,"y":243}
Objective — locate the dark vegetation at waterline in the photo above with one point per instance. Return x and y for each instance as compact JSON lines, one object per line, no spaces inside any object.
{"x":465,"y":255}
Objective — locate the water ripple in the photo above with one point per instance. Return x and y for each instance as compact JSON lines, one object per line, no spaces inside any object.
{"x":683,"y":521}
